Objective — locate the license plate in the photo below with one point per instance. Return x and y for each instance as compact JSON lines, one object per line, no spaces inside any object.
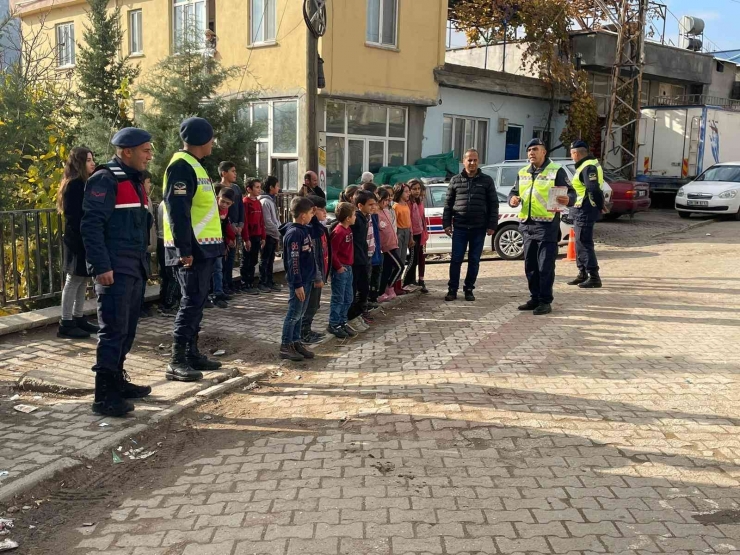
{"x":641,"y":193}
{"x":698,"y":203}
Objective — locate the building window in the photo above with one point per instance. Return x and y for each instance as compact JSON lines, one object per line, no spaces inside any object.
{"x":601,"y":87}
{"x":542,"y":135}
{"x":382,"y":22}
{"x":138,"y":110}
{"x":135,"y":33}
{"x":362,"y":137}
{"x":189,"y":18}
{"x":276,"y":145}
{"x":65,"y":44}
{"x":262,"y":21}
{"x":460,"y":134}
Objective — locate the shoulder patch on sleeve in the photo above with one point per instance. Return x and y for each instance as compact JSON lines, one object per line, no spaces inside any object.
{"x":593,"y":176}
{"x":97,"y":193}
{"x":180,"y":188}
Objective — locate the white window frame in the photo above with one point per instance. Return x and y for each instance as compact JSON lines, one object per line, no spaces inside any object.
{"x":135,"y":32}
{"x":199,"y":36}
{"x":263,"y":39}
{"x":380,"y":43}
{"x":367,"y":138}
{"x":272,"y":155}
{"x":66,"y":48}
{"x":482,"y":152}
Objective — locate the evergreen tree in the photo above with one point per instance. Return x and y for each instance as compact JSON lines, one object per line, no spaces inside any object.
{"x":103,"y":75}
{"x":188,"y":83}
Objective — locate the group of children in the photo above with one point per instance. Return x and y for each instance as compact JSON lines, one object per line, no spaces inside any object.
{"x":370,"y":253}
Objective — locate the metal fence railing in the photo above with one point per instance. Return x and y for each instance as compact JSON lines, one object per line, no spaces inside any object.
{"x":32,"y":255}
{"x":697,"y":100}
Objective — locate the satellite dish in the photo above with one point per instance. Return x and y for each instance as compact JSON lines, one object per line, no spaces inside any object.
{"x":314,"y":13}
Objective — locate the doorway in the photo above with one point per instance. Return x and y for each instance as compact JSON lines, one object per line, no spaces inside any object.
{"x":364,"y":155}
{"x":513,"y":143}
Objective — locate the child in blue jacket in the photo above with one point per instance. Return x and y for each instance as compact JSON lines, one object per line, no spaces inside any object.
{"x":300,"y":273}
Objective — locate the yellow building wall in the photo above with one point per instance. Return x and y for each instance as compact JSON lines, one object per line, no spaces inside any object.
{"x":275,"y":70}
{"x":404,"y":74}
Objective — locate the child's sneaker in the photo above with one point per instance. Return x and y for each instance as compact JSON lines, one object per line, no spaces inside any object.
{"x":276,"y":287}
{"x":384,"y":298}
{"x":349,"y":332}
{"x":209,"y":304}
{"x":251,"y":290}
{"x":220,"y":301}
{"x":288,"y":352}
{"x":337,"y":331}
{"x":265,"y":289}
{"x":367,"y":318}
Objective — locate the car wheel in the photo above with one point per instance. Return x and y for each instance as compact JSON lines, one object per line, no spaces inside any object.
{"x":736,"y":217}
{"x":611,"y":216}
{"x":509,"y":243}
{"x":685,"y":215}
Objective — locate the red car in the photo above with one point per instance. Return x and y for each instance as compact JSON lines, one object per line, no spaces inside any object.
{"x":628,"y":197}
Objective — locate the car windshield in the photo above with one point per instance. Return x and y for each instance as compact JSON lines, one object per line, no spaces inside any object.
{"x":721,"y":173}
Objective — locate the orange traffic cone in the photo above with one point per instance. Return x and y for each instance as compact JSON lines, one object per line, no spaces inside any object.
{"x":572,"y":246}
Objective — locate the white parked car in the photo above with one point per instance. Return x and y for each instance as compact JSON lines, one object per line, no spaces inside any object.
{"x":716,"y":191}
{"x":507,"y":241}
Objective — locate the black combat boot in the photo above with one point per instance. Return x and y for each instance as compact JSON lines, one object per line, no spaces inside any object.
{"x":70,"y":330}
{"x":198,"y":360}
{"x":593,"y":281}
{"x":86,"y":325}
{"x":178,"y":369}
{"x":129,"y":390}
{"x":580,"y":278}
{"x":529,"y":305}
{"x":108,"y":399}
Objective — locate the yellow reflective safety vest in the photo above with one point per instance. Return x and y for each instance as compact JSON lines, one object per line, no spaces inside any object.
{"x":533,"y":193}
{"x":204,"y":217}
{"x":580,"y":186}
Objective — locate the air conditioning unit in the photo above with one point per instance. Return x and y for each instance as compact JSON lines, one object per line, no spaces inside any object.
{"x":503,"y":125}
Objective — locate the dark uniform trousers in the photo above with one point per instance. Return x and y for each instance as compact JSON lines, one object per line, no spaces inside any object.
{"x":585,"y":252}
{"x":540,"y":252}
{"x":118,"y":314}
{"x":194,"y":284}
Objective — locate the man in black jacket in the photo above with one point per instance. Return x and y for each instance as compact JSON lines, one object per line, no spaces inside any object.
{"x":470,"y":213}
{"x":115,"y":231}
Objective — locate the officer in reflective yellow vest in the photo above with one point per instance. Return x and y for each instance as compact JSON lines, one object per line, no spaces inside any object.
{"x":539,"y":226}
{"x":588,"y":182}
{"x":193,"y":241}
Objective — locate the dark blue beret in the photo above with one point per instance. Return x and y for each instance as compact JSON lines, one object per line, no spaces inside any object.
{"x":579,"y":144}
{"x":535,"y":142}
{"x":130,"y":137}
{"x":196,"y":131}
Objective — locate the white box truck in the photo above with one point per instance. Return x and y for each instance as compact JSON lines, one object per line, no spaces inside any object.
{"x":677,"y":143}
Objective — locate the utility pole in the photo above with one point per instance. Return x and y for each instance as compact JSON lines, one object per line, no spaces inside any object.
{"x":314,"y":14}
{"x":621,"y":135}
{"x":312,"y":100}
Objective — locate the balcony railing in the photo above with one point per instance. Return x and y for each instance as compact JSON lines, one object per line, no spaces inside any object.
{"x":32,"y":255}
{"x":696,"y":100}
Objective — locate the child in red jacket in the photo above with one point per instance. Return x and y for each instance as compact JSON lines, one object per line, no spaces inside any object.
{"x":253,"y":235}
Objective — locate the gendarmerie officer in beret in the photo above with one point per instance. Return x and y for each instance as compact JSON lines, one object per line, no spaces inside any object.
{"x":193,"y":241}
{"x":588,"y":182}
{"x":115,"y":232}
{"x":539,"y":227}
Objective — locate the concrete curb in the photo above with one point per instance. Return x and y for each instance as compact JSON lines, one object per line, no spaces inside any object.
{"x":96,"y":449}
{"x":688,"y":227}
